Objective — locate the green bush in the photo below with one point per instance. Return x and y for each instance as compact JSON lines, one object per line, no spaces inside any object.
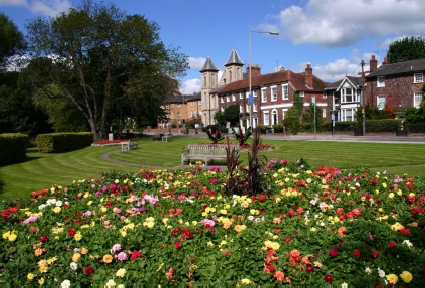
{"x":63,"y":142}
{"x":191,"y":124}
{"x":262,"y":128}
{"x":13,"y":148}
{"x":278,"y":128}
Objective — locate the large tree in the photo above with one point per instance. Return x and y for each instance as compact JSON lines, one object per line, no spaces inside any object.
{"x":406,"y":49}
{"x":11,"y":40}
{"x":101,"y":58}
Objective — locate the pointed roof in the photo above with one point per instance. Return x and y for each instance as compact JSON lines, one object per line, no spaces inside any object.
{"x":209,"y":66}
{"x":234,"y":58}
{"x":354,"y":80}
{"x":411,"y":66}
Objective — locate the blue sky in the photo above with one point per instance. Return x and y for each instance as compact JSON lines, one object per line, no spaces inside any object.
{"x":334,"y":36}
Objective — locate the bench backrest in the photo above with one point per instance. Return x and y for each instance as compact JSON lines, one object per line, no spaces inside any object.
{"x":210,"y":149}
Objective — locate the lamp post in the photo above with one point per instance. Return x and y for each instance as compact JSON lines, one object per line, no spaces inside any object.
{"x":250,"y":96}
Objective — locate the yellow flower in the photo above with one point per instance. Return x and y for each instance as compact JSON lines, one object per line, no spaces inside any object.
{"x":406,"y":276}
{"x":312,"y":229}
{"x":392,"y":278}
{"x":209,"y":243}
{"x":121,"y":272}
{"x":12,"y":237}
{"x":77,"y":236}
{"x":75,"y":257}
{"x":391,"y":195}
{"x":384,"y":185}
{"x":240,"y":228}
{"x":30,"y":276}
{"x":56,"y":210}
{"x":84,"y":250}
{"x":223,"y":211}
{"x":41,"y":281}
{"x":111,"y":283}
{"x":399,"y":192}
{"x":107,"y":258}
{"x":117,"y":181}
{"x":246,"y":281}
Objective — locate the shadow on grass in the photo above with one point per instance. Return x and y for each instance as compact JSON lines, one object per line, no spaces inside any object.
{"x":1,"y":186}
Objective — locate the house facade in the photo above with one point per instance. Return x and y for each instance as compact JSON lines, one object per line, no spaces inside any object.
{"x":398,"y":85}
{"x":344,"y":98}
{"x":180,"y":108}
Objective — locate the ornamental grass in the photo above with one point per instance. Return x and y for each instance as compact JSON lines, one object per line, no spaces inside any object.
{"x":309,"y":228}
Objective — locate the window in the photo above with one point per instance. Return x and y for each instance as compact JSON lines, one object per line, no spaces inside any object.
{"x":178,"y":114}
{"x":240,"y":95}
{"x":222,"y":99}
{"x":212,"y":80}
{"x":284,"y":113}
{"x":230,"y":76}
{"x":347,"y":115}
{"x":417,"y":99}
{"x":285,"y":92}
{"x":347,"y":95}
{"x":325,"y":95}
{"x":241,"y":108}
{"x":301,"y":93}
{"x":324,"y":113}
{"x":274,"y":117}
{"x":380,"y":102}
{"x":228,"y":98}
{"x":248,"y":108}
{"x":419,"y":77}
{"x":274,"y":93}
{"x":255,"y":107}
{"x":254,"y":93}
{"x":233,"y":97}
{"x":266,"y":118}
{"x":263,"y":94}
{"x":381,"y":81}
{"x":178,"y":105}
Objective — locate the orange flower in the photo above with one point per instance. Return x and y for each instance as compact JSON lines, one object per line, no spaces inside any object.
{"x":227,"y":225}
{"x":295,"y":253}
{"x":341,"y":231}
{"x":169,"y":274}
{"x":279,"y":276}
{"x":107,"y":258}
{"x":39,"y":251}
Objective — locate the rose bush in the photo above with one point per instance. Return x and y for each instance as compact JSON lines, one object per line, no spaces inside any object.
{"x":312,"y":228}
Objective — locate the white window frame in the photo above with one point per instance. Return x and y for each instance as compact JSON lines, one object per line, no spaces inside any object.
{"x":284,"y":113}
{"x":241,"y":108}
{"x":302,"y":94}
{"x":380,"y":81}
{"x":227,"y":98}
{"x":285,"y":92}
{"x":255,"y":107}
{"x":266,"y":117}
{"x":324,"y":113}
{"x":325,"y":95}
{"x":240,"y":95}
{"x":274,"y":112}
{"x":379,"y":102}
{"x":416,"y":97}
{"x":233,"y":97}
{"x":248,"y":108}
{"x":273,"y":93}
{"x":222,"y":99}
{"x":418,"y":77}
{"x":263,"y":95}
{"x":254,"y":93}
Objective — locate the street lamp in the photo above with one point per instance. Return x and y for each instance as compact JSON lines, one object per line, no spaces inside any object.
{"x":250,"y":97}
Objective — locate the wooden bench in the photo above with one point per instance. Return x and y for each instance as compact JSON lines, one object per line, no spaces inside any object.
{"x":130,"y":145}
{"x":157,"y":136}
{"x":207,"y":152}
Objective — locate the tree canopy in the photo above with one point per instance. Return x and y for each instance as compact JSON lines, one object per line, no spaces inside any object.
{"x":406,"y":49}
{"x":11,"y":39}
{"x":102,"y":59}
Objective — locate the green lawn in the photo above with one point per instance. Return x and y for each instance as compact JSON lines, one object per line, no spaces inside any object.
{"x":44,"y":170}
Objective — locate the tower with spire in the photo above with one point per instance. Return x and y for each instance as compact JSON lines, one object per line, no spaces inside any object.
{"x":209,"y":81}
{"x":234,"y":69}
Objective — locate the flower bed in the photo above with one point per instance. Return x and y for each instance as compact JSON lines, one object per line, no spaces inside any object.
{"x":108,"y":143}
{"x":174,"y":228}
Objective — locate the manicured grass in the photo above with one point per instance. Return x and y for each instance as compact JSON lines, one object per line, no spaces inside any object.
{"x":44,"y":170}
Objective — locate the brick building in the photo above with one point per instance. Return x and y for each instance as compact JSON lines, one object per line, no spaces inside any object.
{"x":399,"y":84}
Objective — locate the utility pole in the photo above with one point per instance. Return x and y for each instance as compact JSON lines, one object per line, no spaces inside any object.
{"x":363,"y":100}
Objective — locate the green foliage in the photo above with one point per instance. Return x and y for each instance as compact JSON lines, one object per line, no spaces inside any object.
{"x":231,"y":114}
{"x":19,"y":113}
{"x":292,"y":120}
{"x":262,"y":128}
{"x":191,"y":124}
{"x":63,"y":142}
{"x":406,"y":49}
{"x":308,"y":116}
{"x":13,"y":148}
{"x":11,"y":39}
{"x":112,"y":66}
{"x":240,"y":136}
{"x":298,"y":102}
{"x":213,"y":133}
{"x":220,"y":118}
{"x":278,"y":128}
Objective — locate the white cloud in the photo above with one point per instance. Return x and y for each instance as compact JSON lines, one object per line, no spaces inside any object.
{"x":196,"y":63}
{"x":43,"y":7}
{"x":331,"y":23}
{"x":190,"y":85}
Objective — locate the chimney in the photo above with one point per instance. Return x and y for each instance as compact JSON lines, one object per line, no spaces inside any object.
{"x":385,"y":61}
{"x":373,"y":64}
{"x":255,"y":70}
{"x":309,"y":76}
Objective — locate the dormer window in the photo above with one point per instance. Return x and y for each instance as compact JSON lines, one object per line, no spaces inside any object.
{"x":381,"y":81}
{"x":419,"y":77}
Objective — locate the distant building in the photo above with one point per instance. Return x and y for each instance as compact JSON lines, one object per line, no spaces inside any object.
{"x":180,"y":108}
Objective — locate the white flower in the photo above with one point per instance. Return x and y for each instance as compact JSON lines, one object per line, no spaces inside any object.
{"x":58,"y":203}
{"x":110,"y":283}
{"x":74,"y":266}
{"x":408,"y":243}
{"x":65,"y":284}
{"x":381,"y":273}
{"x":41,"y":207}
{"x":368,"y":270}
{"x":344,"y":285}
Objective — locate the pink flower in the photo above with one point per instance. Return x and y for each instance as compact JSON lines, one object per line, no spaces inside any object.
{"x":328,"y":278}
{"x":122,"y":256}
{"x":279,"y":276}
{"x":333,"y":252}
{"x":391,"y":244}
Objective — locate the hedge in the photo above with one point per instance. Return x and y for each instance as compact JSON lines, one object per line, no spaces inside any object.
{"x":63,"y":142}
{"x":13,"y":148}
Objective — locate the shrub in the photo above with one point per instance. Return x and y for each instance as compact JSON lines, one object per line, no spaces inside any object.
{"x":13,"y":148}
{"x":63,"y":142}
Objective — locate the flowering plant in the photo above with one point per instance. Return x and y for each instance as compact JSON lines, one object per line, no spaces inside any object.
{"x":177,"y":228}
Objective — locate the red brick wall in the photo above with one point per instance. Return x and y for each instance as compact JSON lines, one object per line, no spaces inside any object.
{"x":398,"y":91}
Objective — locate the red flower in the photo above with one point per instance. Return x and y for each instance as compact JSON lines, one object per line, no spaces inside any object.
{"x":177,"y":245}
{"x":43,"y":238}
{"x":357,"y":253}
{"x":391,"y":244}
{"x":374,"y":253}
{"x":108,"y":204}
{"x":409,"y":185}
{"x":291,"y":213}
{"x":333,"y":252}
{"x":328,"y":278}
{"x":71,"y":232}
{"x":261,"y":198}
{"x":135,"y":255}
{"x":287,"y":240}
{"x":309,"y":268}
{"x":88,"y":270}
{"x":405,"y":231}
{"x":271,"y":268}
